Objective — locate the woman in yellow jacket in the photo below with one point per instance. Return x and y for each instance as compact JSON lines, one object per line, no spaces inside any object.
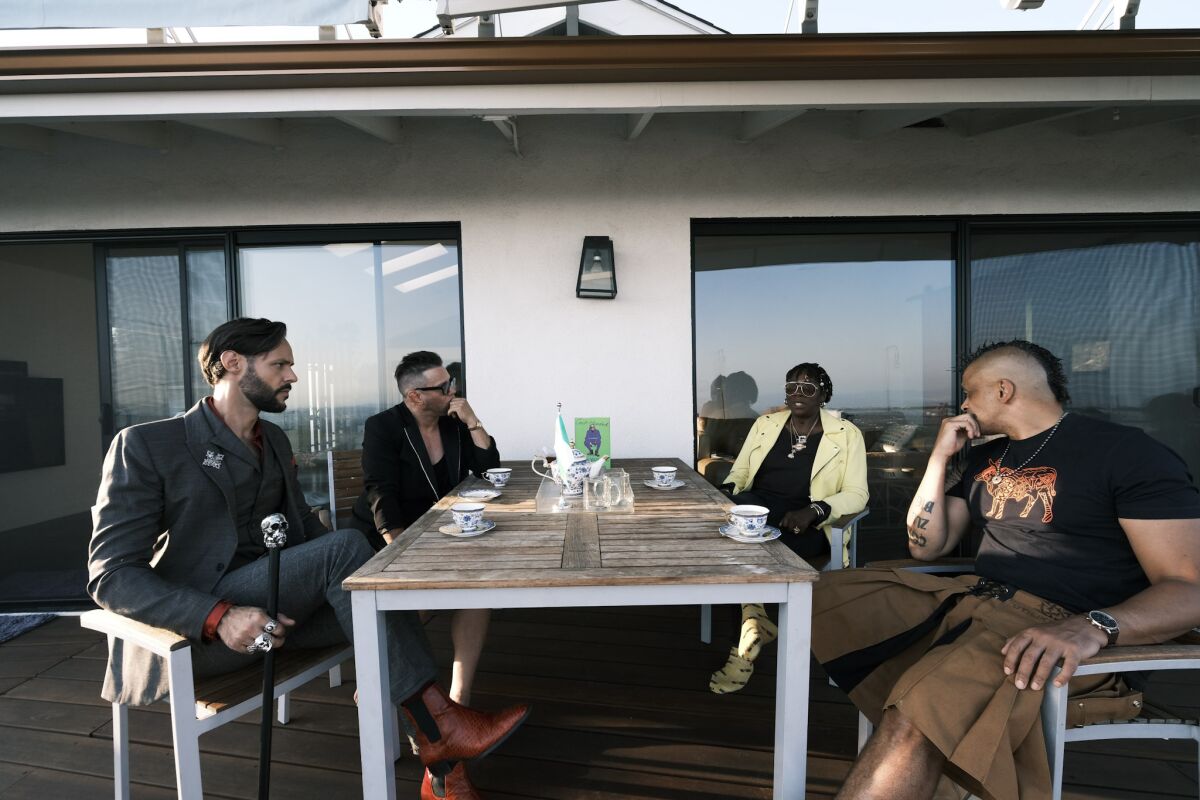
{"x":807,"y":467}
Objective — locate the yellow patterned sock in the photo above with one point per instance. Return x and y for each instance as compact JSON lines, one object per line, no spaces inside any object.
{"x":732,"y":676}
{"x":757,"y":630}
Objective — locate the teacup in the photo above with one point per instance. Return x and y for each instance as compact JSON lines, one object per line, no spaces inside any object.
{"x":664,"y":476}
{"x":749,"y":520}
{"x":467,"y":516}
{"x":498,"y":476}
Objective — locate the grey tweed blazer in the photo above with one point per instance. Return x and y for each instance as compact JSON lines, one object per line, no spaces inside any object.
{"x":164,"y":534}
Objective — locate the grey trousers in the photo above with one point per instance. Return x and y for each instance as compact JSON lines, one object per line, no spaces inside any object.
{"x":310,"y":592}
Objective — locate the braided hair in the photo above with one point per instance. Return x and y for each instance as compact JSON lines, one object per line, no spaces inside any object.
{"x":817,"y":373}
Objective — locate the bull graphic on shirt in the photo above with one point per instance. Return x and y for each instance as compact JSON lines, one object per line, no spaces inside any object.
{"x":1029,"y":485}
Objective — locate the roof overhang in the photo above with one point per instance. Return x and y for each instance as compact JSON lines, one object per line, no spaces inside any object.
{"x":632,"y":59}
{"x":974,"y":83}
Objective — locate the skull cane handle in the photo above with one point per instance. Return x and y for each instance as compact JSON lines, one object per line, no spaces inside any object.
{"x":274,"y":528}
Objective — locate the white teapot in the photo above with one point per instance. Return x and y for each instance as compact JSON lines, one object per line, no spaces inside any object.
{"x":569,"y":476}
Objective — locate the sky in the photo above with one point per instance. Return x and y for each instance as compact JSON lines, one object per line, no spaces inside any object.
{"x":879,"y":16}
{"x":404,"y":18}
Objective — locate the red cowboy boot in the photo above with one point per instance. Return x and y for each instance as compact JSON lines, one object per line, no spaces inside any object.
{"x":465,"y":732}
{"x":456,"y":786}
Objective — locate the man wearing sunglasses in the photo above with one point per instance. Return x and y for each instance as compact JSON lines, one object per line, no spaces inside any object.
{"x":414,"y":453}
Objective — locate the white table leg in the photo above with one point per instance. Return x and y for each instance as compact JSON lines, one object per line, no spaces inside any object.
{"x":791,"y":693}
{"x":374,"y":698}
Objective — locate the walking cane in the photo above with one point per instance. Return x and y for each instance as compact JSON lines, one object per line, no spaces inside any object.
{"x":274,"y":528}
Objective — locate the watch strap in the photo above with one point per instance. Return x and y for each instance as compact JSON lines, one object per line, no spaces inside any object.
{"x":1111,"y":631}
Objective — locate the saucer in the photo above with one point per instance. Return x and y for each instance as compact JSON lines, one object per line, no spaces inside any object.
{"x":480,"y":495}
{"x":728,"y":530}
{"x":675,"y":484}
{"x":454,"y":530}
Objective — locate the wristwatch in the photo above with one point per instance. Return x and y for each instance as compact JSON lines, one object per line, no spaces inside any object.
{"x":1106,"y":623}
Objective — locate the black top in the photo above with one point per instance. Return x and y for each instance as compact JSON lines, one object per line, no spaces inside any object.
{"x":784,"y":479}
{"x":441,"y":477}
{"x":397,"y":474}
{"x":258,"y":487}
{"x":1050,"y":526}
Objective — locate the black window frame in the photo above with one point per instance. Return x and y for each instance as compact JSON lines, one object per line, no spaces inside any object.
{"x":961,"y":227}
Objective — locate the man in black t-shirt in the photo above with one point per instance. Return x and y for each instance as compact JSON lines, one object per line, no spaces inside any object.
{"x":1091,"y":534}
{"x":1051,"y":522}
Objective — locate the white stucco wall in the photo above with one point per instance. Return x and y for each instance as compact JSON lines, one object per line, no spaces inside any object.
{"x":529,"y":341}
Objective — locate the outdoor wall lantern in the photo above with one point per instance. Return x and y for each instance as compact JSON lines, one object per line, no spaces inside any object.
{"x":597,"y":269}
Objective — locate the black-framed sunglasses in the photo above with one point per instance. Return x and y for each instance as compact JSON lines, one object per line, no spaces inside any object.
{"x":802,"y":388}
{"x":445,"y":388}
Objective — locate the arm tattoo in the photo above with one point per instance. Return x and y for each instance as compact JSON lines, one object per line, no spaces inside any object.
{"x":915,"y":537}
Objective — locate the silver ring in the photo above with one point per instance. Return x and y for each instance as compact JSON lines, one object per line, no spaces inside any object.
{"x":261,"y":644}
{"x":271,"y":626}
{"x":795,"y":530}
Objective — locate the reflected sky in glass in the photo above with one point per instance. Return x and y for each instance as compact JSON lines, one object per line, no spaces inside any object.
{"x":882,"y":330}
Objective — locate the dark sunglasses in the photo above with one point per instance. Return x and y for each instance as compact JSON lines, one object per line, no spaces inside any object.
{"x":445,"y":388}
{"x":802,"y":388}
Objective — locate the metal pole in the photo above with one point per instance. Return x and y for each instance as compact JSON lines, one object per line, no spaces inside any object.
{"x":274,"y":528}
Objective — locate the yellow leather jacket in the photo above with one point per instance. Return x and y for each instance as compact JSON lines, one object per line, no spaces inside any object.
{"x":839,"y":473}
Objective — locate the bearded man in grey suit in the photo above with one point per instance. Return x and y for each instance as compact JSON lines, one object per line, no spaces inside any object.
{"x":176,"y":543}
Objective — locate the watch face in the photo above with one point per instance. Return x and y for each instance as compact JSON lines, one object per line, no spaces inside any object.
{"x":1103,"y":620}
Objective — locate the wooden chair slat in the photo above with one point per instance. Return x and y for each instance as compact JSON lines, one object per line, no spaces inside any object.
{"x":222,"y":691}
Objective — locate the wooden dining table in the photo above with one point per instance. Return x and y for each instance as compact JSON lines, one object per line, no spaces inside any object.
{"x":668,"y":551}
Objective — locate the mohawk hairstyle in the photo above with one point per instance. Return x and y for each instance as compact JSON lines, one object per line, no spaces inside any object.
{"x":1056,"y":379}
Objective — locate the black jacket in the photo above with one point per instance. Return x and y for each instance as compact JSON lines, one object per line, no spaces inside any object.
{"x":397,"y":472}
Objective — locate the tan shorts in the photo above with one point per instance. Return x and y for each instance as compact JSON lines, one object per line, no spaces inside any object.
{"x":949,"y":682}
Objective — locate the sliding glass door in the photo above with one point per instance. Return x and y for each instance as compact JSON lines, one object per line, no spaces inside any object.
{"x":874,"y":308}
{"x":353,"y":309}
{"x":891,"y":307}
{"x":159,"y":300}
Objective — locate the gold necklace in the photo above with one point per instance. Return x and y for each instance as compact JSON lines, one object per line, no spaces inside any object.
{"x":801,"y":441}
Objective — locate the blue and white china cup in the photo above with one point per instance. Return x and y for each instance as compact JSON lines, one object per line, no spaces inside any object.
{"x":749,"y":520}
{"x":663,"y":476}
{"x":467,"y":516}
{"x":498,"y":476}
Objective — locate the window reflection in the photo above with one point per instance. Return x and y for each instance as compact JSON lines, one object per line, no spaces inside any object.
{"x":1120,"y":310}
{"x":874,"y":309}
{"x":353,"y":310}
{"x":208,"y":305}
{"x":146,"y":331}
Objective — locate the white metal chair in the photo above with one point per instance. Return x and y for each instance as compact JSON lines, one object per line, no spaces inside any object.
{"x":843,"y":530}
{"x":1168,"y":656}
{"x":198,"y":708}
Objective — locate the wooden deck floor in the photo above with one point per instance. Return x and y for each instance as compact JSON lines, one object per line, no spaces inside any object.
{"x":621,"y":710}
